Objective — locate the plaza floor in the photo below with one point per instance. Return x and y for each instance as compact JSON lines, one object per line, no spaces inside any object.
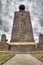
{"x":23,"y":59}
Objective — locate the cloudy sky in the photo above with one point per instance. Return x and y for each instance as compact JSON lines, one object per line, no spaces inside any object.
{"x":7,"y":9}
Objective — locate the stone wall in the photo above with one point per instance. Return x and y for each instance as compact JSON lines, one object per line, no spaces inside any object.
{"x":40,"y":38}
{"x":22,"y":48}
{"x":4,"y":47}
{"x":40,"y":44}
{"x":3,"y":39}
{"x":3,"y":44}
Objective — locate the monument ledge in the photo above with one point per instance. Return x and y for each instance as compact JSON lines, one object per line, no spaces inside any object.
{"x":22,"y":43}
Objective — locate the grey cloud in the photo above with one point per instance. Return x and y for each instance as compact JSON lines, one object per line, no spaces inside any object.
{"x":1,"y":28}
{"x":21,"y":0}
{"x":0,"y":5}
{"x":5,"y":29}
{"x":41,"y":22}
{"x":0,"y":21}
{"x":29,"y":0}
{"x":5,"y":26}
{"x":8,"y":7}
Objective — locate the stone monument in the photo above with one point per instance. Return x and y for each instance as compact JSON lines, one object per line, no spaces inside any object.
{"x":3,"y":45}
{"x":22,"y":28}
{"x":40,"y":38}
{"x":3,"y":39}
{"x":40,"y":44}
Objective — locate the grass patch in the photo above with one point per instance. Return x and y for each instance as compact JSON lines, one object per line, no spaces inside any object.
{"x":38,"y":55}
{"x":4,"y":55}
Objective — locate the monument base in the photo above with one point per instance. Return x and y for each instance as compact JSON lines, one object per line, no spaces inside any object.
{"x":22,"y":47}
{"x":40,"y":46}
{"x":4,"y":47}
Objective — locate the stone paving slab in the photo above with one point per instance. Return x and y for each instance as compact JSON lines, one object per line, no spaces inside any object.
{"x":23,"y":59}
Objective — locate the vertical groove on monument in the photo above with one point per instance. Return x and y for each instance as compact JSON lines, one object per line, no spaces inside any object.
{"x":22,"y":28}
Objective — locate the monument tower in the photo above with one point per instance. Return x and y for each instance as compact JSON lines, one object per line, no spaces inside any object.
{"x":22,"y":28}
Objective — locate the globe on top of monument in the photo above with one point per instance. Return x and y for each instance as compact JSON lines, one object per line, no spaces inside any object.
{"x":21,"y":7}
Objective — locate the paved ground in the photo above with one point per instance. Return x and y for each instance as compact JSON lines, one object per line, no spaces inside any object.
{"x":23,"y":59}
